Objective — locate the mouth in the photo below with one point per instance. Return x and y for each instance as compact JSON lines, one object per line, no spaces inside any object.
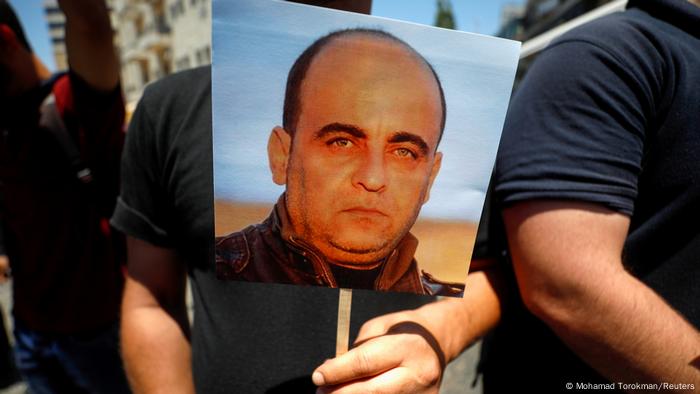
{"x":365,"y":211}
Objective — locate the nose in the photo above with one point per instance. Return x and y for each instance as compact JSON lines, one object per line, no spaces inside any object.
{"x":371,"y":172}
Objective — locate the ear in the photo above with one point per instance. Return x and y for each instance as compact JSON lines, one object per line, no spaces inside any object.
{"x":278,"y":147}
{"x":437,"y":162}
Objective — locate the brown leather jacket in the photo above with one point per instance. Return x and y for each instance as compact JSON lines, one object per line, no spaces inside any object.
{"x":269,"y":252}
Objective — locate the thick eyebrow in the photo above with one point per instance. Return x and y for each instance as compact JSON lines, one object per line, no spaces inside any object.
{"x":332,"y":128}
{"x":403,"y":136}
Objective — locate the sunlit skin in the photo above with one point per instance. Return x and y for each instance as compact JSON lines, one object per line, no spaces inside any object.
{"x":14,"y":64}
{"x":20,"y":70}
{"x":363,"y":157}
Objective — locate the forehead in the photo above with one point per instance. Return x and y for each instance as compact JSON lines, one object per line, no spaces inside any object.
{"x":365,"y":55}
{"x":364,"y":77}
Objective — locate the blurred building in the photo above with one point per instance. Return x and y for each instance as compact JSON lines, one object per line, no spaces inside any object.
{"x":56,"y":23}
{"x":159,"y":37}
{"x":154,"y":38}
{"x":191,"y":30}
{"x":511,"y":20}
{"x":144,"y":42}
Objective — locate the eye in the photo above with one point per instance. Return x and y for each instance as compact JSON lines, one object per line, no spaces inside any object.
{"x":340,"y":143}
{"x":405,"y":152}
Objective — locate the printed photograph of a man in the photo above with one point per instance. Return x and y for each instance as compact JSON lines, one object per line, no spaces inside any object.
{"x":356,"y":156}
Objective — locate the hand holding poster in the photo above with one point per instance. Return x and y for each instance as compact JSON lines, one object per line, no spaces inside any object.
{"x":378,"y":136}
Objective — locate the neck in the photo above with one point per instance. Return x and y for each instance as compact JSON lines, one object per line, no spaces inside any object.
{"x":359,"y":267}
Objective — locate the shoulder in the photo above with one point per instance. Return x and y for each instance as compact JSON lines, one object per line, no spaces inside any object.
{"x":180,"y":85}
{"x":237,"y":251}
{"x":611,"y":61}
{"x":170,"y":106}
{"x":622,"y":23}
{"x":232,"y":254}
{"x":630,"y":38}
{"x":178,"y":95}
{"x":612,"y":53}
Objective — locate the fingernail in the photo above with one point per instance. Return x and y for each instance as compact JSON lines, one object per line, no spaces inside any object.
{"x":318,"y":378}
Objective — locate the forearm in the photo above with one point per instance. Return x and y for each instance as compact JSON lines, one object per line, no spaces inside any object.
{"x":89,"y":42}
{"x":155,"y":346}
{"x":627,"y":332}
{"x":4,"y":268}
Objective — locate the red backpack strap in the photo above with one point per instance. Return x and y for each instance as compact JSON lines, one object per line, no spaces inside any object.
{"x":52,"y":117}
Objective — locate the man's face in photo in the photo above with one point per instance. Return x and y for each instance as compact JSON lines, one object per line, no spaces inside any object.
{"x":363,"y":155}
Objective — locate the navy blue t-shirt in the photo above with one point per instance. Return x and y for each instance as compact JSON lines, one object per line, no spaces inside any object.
{"x":607,"y":114}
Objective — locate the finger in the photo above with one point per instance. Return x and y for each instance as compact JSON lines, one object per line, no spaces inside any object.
{"x":369,"y":359}
{"x":378,"y":326}
{"x":397,"y":380}
{"x":349,"y":387}
{"x":402,"y":380}
{"x":371,"y":329}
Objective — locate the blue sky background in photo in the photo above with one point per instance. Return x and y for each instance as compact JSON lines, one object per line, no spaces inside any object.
{"x":255,"y":43}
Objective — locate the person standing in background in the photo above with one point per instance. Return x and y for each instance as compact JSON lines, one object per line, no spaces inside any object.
{"x":60,"y":144}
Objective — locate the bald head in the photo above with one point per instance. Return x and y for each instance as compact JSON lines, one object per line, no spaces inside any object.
{"x":357,"y":49}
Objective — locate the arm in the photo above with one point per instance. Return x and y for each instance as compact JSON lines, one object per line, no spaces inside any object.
{"x":4,"y":268}
{"x":89,"y":43}
{"x":406,"y":351}
{"x":154,"y":326}
{"x":90,"y":101}
{"x":567,"y":259}
{"x":5,"y":271}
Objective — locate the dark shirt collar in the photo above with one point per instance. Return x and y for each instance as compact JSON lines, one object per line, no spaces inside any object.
{"x":680,"y":13}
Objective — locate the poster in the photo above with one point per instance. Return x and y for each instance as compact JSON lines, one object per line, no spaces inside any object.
{"x":351,"y":151}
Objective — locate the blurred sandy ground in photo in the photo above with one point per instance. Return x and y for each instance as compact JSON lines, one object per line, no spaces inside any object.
{"x":444,"y":248}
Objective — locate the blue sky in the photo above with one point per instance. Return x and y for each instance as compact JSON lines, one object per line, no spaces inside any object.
{"x":31,"y":13}
{"x":255,"y":44}
{"x":476,"y":16}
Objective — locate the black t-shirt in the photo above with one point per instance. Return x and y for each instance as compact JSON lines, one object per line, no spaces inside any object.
{"x":246,"y":337}
{"x":607,"y":114}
